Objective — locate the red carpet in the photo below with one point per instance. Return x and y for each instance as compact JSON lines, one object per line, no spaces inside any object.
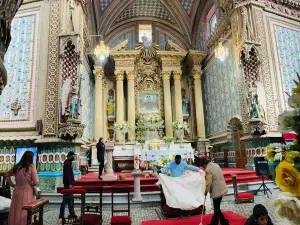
{"x":234,"y":219}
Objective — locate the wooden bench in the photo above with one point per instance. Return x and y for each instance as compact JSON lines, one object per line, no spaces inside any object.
{"x":35,"y":211}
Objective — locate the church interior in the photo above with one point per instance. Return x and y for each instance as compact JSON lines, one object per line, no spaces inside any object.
{"x":150,"y":80}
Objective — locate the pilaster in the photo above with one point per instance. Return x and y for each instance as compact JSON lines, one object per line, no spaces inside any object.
{"x":120,"y":102}
{"x":131,"y":104}
{"x":98,"y":115}
{"x":178,"y":95}
{"x":167,"y":104}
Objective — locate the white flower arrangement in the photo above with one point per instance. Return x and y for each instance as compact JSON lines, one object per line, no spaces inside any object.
{"x":150,"y":121}
{"x":181,"y":126}
{"x":123,"y":127}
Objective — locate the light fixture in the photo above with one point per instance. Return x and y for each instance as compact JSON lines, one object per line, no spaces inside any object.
{"x":221,"y":52}
{"x":101,"y":51}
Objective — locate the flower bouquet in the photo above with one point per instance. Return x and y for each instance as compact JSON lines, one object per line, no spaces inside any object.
{"x":124,"y":128}
{"x":180,"y":127}
{"x":142,"y":142}
{"x":287,"y":204}
{"x":168,"y":141}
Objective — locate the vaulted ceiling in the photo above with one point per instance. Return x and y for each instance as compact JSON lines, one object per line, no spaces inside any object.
{"x":175,"y":16}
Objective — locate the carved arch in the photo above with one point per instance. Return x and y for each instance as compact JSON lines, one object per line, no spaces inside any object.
{"x":234,"y":125}
{"x":200,"y":18}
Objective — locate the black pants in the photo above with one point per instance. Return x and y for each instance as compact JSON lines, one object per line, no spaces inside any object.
{"x":218,"y":215}
{"x":101,"y":166}
{"x":67,"y":200}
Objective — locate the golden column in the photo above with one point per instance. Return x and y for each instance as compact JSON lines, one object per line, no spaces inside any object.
{"x":98,"y":128}
{"x":167,"y":104}
{"x":120,"y":102}
{"x":199,"y":106}
{"x":178,"y":96}
{"x":131,"y":104}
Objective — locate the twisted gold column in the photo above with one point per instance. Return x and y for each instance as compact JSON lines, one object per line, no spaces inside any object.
{"x":120,"y":102}
{"x":167,"y":104}
{"x":199,"y":106}
{"x":131,"y":104}
{"x":178,"y":96}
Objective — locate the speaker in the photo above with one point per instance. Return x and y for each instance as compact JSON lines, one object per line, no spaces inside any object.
{"x":261,"y":166}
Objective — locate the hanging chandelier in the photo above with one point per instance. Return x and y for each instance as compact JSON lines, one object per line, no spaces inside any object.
{"x":221,"y":52}
{"x":101,"y":51}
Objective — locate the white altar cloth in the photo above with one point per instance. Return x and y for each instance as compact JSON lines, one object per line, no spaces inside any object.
{"x":154,"y":154}
{"x":186,"y":192}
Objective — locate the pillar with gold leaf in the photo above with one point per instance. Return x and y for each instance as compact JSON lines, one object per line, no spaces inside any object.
{"x":119,"y":102}
{"x":131,"y":104}
{"x":167,"y":104}
{"x":199,"y":105}
{"x":178,"y":95}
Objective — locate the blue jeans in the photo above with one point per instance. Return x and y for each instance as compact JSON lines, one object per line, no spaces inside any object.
{"x":67,"y":199}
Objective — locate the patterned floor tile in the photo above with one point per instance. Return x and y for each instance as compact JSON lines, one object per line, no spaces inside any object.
{"x":141,"y":212}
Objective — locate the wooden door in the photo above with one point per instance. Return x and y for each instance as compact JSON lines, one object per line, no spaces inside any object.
{"x":240,"y":153}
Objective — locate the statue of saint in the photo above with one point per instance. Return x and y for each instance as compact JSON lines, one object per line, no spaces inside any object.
{"x":255,"y":109}
{"x":111,"y":105}
{"x":185,"y":104}
{"x":74,"y":103}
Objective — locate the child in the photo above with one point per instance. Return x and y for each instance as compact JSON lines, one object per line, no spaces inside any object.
{"x":259,"y":217}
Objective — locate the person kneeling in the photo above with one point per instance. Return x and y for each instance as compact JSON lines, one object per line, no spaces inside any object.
{"x":259,"y":216}
{"x":177,"y":167}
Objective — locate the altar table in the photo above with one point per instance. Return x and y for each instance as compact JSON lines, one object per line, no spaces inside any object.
{"x":154,"y":154}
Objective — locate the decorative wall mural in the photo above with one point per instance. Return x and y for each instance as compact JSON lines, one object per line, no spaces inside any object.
{"x":221,"y":96}
{"x":104,"y":4}
{"x":187,"y":5}
{"x":149,"y":103}
{"x":7,"y":158}
{"x":130,"y":36}
{"x":86,"y":100}
{"x":17,"y":102}
{"x":288,"y":53}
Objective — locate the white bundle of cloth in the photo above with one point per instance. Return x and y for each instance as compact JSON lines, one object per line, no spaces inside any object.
{"x":4,"y":204}
{"x":185,"y":192}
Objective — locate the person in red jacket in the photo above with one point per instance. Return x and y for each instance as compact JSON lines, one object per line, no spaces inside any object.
{"x":68,"y":180}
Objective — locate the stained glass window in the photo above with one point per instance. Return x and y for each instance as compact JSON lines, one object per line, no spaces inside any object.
{"x":213,"y":23}
{"x":145,"y":30}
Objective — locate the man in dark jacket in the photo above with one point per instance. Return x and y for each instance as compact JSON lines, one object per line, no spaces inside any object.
{"x":100,"y":156}
{"x":68,"y":180}
{"x":259,"y":217}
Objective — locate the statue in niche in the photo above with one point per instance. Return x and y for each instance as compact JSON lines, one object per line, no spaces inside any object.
{"x":255,"y":109}
{"x":111,"y":106}
{"x":185,"y":105}
{"x":74,"y":103}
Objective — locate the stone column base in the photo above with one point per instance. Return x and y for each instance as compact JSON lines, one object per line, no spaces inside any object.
{"x":109,"y":175}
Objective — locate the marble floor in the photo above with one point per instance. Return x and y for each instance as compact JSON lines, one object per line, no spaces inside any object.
{"x":150,"y":212}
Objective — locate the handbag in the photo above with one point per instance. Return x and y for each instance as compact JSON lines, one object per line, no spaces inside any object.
{"x":34,"y":188}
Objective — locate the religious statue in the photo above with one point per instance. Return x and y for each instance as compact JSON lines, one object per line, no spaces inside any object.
{"x":111,"y":106}
{"x":74,"y":103}
{"x":185,"y":105}
{"x":255,"y":109}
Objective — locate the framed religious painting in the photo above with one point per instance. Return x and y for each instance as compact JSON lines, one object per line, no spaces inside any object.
{"x":149,"y":103}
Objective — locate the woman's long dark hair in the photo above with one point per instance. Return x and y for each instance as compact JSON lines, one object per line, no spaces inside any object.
{"x":25,"y":162}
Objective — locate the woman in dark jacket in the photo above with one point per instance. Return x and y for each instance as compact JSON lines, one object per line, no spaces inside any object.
{"x":100,"y":155}
{"x":259,"y":216}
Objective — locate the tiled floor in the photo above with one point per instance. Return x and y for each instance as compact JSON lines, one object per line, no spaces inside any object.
{"x":141,"y":212}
